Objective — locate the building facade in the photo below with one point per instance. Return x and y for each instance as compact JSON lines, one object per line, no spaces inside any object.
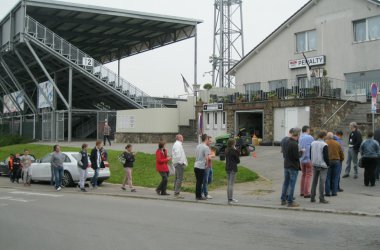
{"x":325,"y":53}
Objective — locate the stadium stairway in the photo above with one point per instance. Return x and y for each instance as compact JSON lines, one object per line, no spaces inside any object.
{"x":46,"y":39}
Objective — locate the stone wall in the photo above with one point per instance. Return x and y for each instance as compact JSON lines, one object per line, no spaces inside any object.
{"x":144,"y":137}
{"x":320,"y":110}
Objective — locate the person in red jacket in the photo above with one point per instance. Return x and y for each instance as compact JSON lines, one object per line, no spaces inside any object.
{"x":162,"y":168}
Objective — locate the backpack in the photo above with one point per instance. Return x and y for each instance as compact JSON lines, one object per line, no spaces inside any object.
{"x":122,"y":159}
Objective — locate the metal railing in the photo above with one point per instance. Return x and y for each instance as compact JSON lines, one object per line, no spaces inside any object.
{"x":60,"y":45}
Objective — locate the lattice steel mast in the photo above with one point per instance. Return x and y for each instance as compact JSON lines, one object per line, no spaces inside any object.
{"x":228,"y":40}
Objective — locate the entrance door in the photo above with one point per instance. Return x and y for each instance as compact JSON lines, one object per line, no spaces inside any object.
{"x":291,"y":118}
{"x":279,"y":125}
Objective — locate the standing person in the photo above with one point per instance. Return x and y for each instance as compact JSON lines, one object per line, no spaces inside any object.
{"x":232,"y":160}
{"x":179,"y":162}
{"x":57,"y":159}
{"x":202,"y":155}
{"x":162,"y":168}
{"x":339,"y":138}
{"x":336,"y":157}
{"x":26,"y":162}
{"x":96,"y":162}
{"x":106,"y":133}
{"x":291,"y":168}
{"x":320,"y":160}
{"x":82,"y":167}
{"x":129,"y":157}
{"x":377,"y":138}
{"x":370,"y":151}
{"x":208,"y":170}
{"x":10,"y":166}
{"x":284,"y":143}
{"x":354,"y":142}
{"x":307,"y":170}
{"x":16,"y":168}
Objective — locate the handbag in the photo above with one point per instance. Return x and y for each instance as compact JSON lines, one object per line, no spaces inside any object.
{"x":360,"y":163}
{"x":171,"y":170}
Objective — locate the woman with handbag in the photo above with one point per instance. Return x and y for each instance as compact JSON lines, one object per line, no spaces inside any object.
{"x":162,"y":168}
{"x":129,"y":157}
{"x":370,"y":152}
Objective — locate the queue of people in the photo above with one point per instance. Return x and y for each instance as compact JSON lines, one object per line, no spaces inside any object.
{"x":320,"y":161}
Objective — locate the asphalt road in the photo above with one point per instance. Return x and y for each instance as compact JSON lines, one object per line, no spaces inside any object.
{"x":51,"y":220}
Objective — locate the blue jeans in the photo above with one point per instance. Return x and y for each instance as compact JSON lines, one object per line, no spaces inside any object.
{"x":205,"y":182}
{"x":352,"y":156}
{"x":339,"y":171}
{"x":290,"y":180}
{"x":58,"y":173}
{"x":332,"y":179}
{"x":94,"y":180}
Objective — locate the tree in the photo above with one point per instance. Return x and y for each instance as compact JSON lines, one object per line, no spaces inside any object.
{"x":207,"y":86}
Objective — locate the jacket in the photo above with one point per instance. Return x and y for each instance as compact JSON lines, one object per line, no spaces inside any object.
{"x":84,"y":159}
{"x":292,"y":159}
{"x":370,"y":148}
{"x":162,"y":160}
{"x":96,"y":158}
{"x":319,"y":154}
{"x":232,"y":159}
{"x":57,"y":159}
{"x":335,"y":150}
{"x":178,"y":154}
{"x":129,"y":159}
{"x":355,"y":140}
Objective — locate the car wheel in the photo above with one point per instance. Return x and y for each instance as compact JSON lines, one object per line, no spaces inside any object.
{"x":67,"y":180}
{"x":100,"y":183}
{"x":244,"y":151}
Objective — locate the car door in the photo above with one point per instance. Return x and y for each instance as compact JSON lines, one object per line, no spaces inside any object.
{"x":41,"y":170}
{"x":70,"y":165}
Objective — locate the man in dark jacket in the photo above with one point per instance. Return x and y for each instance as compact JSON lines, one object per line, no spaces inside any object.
{"x":377,"y":138}
{"x":96,"y":162}
{"x":354,"y":141}
{"x":291,"y":168}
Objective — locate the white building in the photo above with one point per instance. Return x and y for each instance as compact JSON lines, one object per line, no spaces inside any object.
{"x":340,"y":36}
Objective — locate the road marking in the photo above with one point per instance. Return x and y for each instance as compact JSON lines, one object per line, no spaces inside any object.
{"x":36,"y":194}
{"x":9,"y":198}
{"x":3,"y":205}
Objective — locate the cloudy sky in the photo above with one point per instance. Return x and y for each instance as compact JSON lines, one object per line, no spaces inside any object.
{"x":158,"y":72}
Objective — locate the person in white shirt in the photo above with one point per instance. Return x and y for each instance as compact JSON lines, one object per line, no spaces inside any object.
{"x":179,"y":162}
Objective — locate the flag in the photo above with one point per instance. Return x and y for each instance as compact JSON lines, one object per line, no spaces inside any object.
{"x":185,"y":84}
{"x":308,"y":73}
{"x":200,"y":123}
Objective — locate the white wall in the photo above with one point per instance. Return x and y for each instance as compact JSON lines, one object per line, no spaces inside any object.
{"x":156,"y":120}
{"x":287,"y":118}
{"x":214,"y":127}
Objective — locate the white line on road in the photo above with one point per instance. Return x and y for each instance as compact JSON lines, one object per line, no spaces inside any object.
{"x":9,"y":198}
{"x":36,"y":194}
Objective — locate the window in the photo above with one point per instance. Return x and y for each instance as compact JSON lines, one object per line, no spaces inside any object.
{"x":46,"y":159}
{"x":306,"y":41}
{"x":216,"y":118}
{"x":252,"y":87}
{"x":208,"y":118}
{"x":277,"y":84}
{"x":224,"y":118}
{"x":367,"y":29}
{"x":67,"y":159}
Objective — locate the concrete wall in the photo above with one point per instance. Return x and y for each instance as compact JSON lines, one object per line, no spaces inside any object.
{"x":186,"y":111}
{"x":333,"y":21}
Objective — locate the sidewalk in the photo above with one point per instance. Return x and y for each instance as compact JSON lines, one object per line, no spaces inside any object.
{"x":356,"y":198}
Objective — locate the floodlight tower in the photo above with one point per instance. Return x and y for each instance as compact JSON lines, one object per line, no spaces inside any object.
{"x":228,"y":41}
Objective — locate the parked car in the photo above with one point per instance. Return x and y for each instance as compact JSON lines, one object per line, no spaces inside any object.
{"x":41,"y":170}
{"x":4,"y":168}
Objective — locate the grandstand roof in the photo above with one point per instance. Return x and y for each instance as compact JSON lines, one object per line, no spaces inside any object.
{"x":110,"y":34}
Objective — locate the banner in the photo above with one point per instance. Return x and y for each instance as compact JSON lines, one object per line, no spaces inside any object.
{"x":47,"y":89}
{"x":9,"y":106}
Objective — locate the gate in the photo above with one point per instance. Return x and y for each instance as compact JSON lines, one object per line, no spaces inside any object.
{"x":60,"y":126}
{"x":47,"y":126}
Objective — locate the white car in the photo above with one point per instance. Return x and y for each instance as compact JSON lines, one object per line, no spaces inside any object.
{"x":41,"y":170}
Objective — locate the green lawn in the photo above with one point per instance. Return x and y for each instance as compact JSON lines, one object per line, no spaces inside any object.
{"x":145,"y":168}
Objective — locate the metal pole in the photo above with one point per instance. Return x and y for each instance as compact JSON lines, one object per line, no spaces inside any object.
{"x":373,"y":122}
{"x":118,"y":67}
{"x":69,"y":120}
{"x":195,"y":57}
{"x":221,"y":46}
{"x":21,"y":118}
{"x":34,"y":126}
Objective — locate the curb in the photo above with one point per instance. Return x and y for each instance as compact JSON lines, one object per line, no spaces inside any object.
{"x":301,"y":209}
